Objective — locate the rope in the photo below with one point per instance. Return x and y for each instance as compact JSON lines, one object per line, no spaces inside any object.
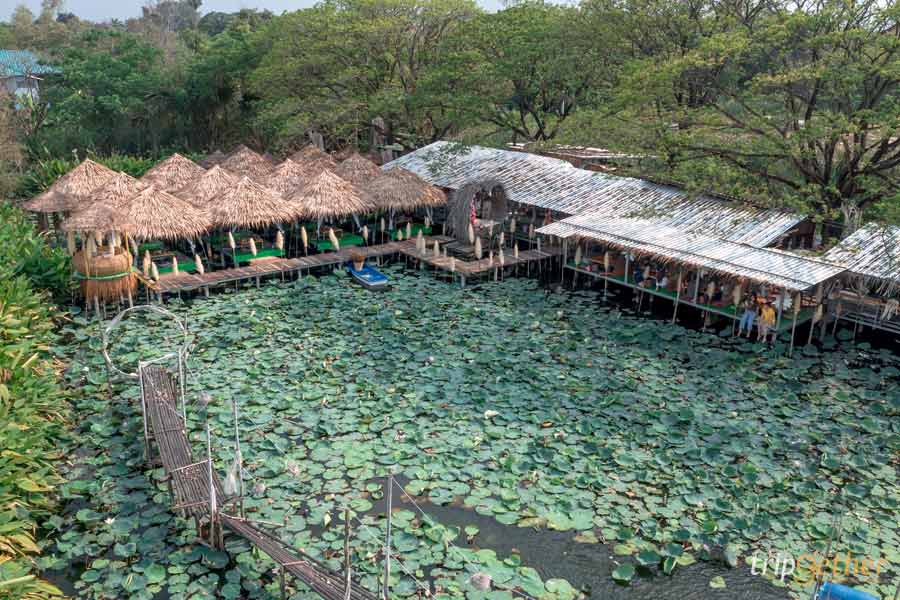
{"x":77,"y":275}
{"x":458,"y":553}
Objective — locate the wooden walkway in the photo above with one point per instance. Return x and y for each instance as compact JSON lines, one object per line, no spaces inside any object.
{"x":476,"y":267}
{"x":189,"y":483}
{"x":185,"y":282}
{"x":190,"y":281}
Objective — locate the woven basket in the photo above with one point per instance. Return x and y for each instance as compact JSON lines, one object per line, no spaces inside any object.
{"x":107,"y":277}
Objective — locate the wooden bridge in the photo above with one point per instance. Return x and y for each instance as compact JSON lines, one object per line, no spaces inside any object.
{"x":197,"y":492}
{"x":290,"y":267}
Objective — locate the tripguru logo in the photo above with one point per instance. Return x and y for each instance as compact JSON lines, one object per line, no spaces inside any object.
{"x":808,"y":567}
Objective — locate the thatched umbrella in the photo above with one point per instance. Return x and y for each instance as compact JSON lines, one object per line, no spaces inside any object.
{"x":106,"y":211}
{"x":210,"y":184}
{"x":309,"y":152}
{"x":173,"y":173}
{"x":249,"y":204}
{"x":287,"y":178}
{"x":358,"y":170}
{"x":326,"y":196}
{"x":400,"y":189}
{"x":244,"y":161}
{"x":156,"y":214}
{"x":213,"y":159}
{"x":72,"y":189}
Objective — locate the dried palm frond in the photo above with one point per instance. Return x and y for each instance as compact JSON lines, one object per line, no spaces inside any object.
{"x":471,"y":232}
{"x":201,"y":191}
{"x":279,"y":240}
{"x":357,"y":170}
{"x":73,"y":190}
{"x":198,"y":263}
{"x":328,"y":196}
{"x":175,"y":265}
{"x":365,"y":233}
{"x":173,"y":173}
{"x":478,"y":248}
{"x":304,"y":238}
{"x":249,"y":204}
{"x":146,"y":263}
{"x":247,"y":163}
{"x":154,"y":271}
{"x":253,"y":247}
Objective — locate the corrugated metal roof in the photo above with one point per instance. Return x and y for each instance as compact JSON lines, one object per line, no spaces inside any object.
{"x":557,"y":185}
{"x":778,"y":268}
{"x":20,"y":63}
{"x":872,"y":251}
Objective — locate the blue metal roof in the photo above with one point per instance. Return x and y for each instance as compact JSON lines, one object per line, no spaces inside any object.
{"x":21,"y":63}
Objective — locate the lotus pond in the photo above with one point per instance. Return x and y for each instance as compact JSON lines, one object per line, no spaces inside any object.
{"x":558,"y":445}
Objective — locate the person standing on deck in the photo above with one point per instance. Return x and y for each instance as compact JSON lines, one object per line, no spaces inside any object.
{"x":766,"y":321}
{"x":749,"y":305}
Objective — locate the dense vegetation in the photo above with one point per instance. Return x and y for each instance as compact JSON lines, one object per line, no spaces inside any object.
{"x":538,"y":411}
{"x":32,"y":409}
{"x":780,"y":102}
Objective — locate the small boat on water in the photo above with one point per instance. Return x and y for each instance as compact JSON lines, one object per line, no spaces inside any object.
{"x":368,"y":276}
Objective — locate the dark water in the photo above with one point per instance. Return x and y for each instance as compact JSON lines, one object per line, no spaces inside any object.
{"x":589,"y":567}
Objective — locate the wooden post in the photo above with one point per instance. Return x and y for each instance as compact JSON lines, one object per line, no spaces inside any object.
{"x":697,"y":287}
{"x":780,"y":310}
{"x":627,"y":265}
{"x":387,"y":540}
{"x":565,"y":252}
{"x":347,"y":587}
{"x":238,"y":457}
{"x":812,"y":325}
{"x":798,"y":299}
{"x":677,"y":296}
{"x":213,"y":509}
{"x":144,"y":412}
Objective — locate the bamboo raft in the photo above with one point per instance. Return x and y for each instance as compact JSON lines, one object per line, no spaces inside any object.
{"x":190,"y":482}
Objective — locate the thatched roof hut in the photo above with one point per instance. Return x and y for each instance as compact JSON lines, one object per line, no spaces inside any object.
{"x":308,"y":153}
{"x":73,"y":188}
{"x":287,"y":178}
{"x":106,"y":210}
{"x":404,"y":190}
{"x":173,"y":173}
{"x":213,"y":159}
{"x":245,"y":162}
{"x":358,"y":170}
{"x":210,"y":184}
{"x":327,"y":195}
{"x":156,"y":214}
{"x":249,"y":204}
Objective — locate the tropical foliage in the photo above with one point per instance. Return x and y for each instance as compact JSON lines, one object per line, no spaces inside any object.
{"x":780,"y":102}
{"x":506,"y":406}
{"x":31,"y":405}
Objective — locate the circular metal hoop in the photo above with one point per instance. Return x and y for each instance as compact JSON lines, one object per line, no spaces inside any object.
{"x":185,"y":346}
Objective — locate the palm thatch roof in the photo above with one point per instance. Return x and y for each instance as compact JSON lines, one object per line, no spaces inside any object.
{"x":157,"y":214}
{"x":213,"y":159}
{"x":106,"y":210}
{"x":358,"y":170}
{"x":210,"y":184}
{"x":71,"y":189}
{"x":249,"y":204}
{"x":173,"y":173}
{"x":287,"y":178}
{"x":247,"y":163}
{"x":404,"y":190}
{"x":309,"y":152}
{"x":327,"y":195}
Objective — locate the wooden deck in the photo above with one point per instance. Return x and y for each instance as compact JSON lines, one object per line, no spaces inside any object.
{"x":186,"y":282}
{"x":485,"y":265}
{"x":190,"y":281}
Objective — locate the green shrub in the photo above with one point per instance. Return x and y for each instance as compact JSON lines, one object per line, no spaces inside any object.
{"x":32,"y":408}
{"x":25,"y":253}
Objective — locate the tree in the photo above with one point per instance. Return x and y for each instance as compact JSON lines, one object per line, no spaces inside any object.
{"x":801,"y":104}
{"x":313,"y":77}
{"x":111,"y":94}
{"x":527,"y":68}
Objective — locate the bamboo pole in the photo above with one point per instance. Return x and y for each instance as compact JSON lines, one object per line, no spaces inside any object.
{"x":780,"y":310}
{"x":387,"y":540}
{"x":797,"y":300}
{"x":347,"y":588}
{"x":677,"y":296}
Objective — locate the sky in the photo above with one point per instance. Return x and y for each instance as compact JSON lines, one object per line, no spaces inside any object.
{"x":101,"y":10}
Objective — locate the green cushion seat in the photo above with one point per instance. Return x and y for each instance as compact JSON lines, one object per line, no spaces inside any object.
{"x":186,"y":266}
{"x":414,"y":230}
{"x":242,"y":257}
{"x":346,"y":241}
